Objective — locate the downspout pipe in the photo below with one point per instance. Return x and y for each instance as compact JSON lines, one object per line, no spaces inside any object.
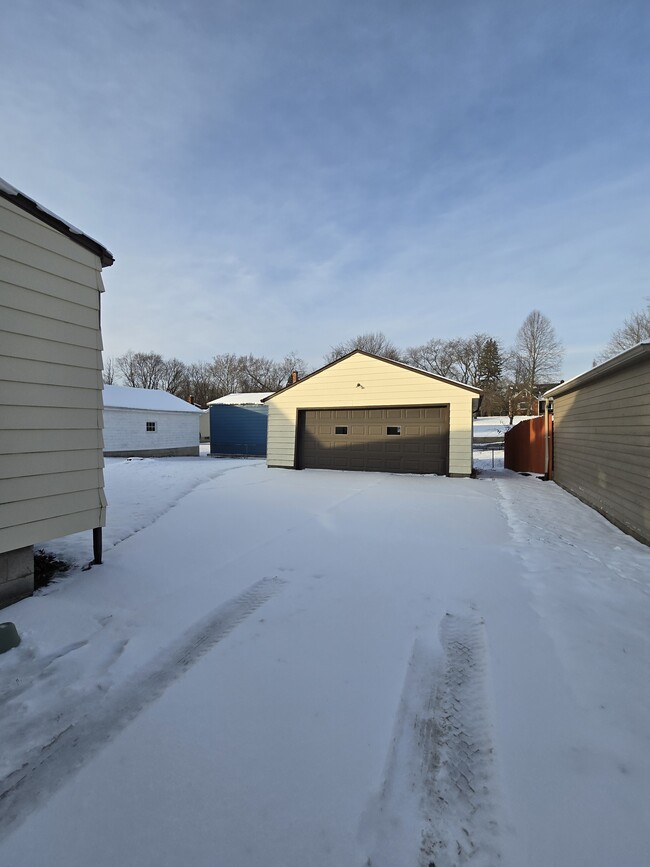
{"x":547,"y":443}
{"x":97,"y":546}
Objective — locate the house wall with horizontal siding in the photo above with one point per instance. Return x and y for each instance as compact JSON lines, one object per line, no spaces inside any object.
{"x":602,"y":446}
{"x":125,"y":432}
{"x":369,"y":382}
{"x":51,"y":478}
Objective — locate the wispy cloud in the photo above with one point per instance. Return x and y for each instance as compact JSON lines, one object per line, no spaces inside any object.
{"x":281,"y":176}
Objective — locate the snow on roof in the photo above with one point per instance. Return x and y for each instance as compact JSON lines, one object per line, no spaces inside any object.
{"x":9,"y":192}
{"x":125,"y":397}
{"x":242,"y":398}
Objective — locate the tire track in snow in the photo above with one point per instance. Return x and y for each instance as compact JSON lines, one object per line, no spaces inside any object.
{"x":458,"y":763}
{"x":438,"y":805}
{"x":98,"y":723}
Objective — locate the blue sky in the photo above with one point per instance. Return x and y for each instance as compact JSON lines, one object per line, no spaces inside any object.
{"x":280,"y":176}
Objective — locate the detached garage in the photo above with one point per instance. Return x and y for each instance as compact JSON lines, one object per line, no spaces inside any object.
{"x":601,"y":441}
{"x":363,"y":412}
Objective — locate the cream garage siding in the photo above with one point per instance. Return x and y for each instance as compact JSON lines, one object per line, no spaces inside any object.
{"x":366,"y":381}
{"x":51,"y":478}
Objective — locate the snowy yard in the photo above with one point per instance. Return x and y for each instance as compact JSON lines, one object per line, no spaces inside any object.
{"x":301,"y":669}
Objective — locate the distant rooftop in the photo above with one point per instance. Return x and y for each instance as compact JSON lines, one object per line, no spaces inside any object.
{"x":125,"y":397}
{"x":242,"y":398}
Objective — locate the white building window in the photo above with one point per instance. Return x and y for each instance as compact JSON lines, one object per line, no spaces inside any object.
{"x":151,"y":427}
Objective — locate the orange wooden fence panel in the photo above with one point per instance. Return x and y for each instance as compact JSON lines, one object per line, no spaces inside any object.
{"x":525,"y":446}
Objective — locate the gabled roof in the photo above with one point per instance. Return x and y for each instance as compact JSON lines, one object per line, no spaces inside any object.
{"x":401,"y":364}
{"x":152,"y":399}
{"x":245,"y":398}
{"x":623,"y":359}
{"x":31,"y":206}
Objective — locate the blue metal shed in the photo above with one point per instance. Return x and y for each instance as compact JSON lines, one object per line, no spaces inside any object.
{"x":238,"y":427}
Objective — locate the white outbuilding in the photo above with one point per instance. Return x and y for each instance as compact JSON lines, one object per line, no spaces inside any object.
{"x":148,"y":422}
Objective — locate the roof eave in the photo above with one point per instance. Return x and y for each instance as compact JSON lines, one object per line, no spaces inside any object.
{"x":11,"y":194}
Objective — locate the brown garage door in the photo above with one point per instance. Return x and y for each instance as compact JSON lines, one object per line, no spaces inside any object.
{"x":413,"y":439}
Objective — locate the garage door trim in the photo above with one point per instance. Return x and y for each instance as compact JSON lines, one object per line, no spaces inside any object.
{"x":401,"y":456}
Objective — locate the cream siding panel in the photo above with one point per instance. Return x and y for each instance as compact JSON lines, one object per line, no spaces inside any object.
{"x":32,"y":487}
{"x":33,"y":325}
{"x":43,"y":508}
{"x":30,"y":231}
{"x":37,"y":349}
{"x":33,"y":394}
{"x":15,"y":442}
{"x":380,"y":384}
{"x":34,"y":372}
{"x":28,"y":277}
{"x":33,"y":532}
{"x":41,"y":463}
{"x":602,"y":446}
{"x":16,"y":250}
{"x":52,"y":418}
{"x":51,"y":456}
{"x":40,"y":304}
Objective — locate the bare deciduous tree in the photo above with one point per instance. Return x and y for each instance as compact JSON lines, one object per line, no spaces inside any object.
{"x":200,"y":383}
{"x":290,"y":363}
{"x":471,"y":360}
{"x":245,"y":373}
{"x":257,"y":373}
{"x":108,"y":375}
{"x":226,"y":370}
{"x":436,"y":355}
{"x":173,"y":376}
{"x":151,"y":370}
{"x":537,"y":355}
{"x":635,"y":329}
{"x":206,"y":381}
{"x":374,"y":342}
{"x":263,"y":374}
{"x":140,"y":369}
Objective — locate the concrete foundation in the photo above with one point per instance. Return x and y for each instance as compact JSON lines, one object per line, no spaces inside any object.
{"x":180,"y":452}
{"x":16,"y":575}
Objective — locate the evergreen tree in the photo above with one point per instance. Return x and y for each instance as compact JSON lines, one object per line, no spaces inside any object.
{"x":490,"y":365}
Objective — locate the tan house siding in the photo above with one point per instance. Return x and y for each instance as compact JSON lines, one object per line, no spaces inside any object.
{"x":602,"y":445}
{"x":51,"y":462}
{"x":364,"y":381}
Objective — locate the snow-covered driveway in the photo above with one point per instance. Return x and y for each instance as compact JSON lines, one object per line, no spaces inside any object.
{"x":325,"y":668}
